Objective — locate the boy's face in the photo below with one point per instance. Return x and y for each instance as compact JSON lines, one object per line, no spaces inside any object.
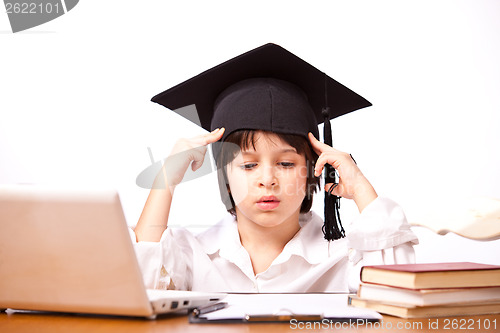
{"x":268,"y":184}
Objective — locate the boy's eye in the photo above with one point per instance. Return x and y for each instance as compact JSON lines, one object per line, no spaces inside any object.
{"x":248,"y":166}
{"x":287,"y":164}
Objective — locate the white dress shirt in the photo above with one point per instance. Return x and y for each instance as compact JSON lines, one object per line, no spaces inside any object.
{"x":215,"y":260}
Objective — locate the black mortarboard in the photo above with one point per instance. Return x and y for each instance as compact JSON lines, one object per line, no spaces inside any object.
{"x":271,"y":89}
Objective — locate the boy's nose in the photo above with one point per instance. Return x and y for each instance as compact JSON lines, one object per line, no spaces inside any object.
{"x":268,"y":177}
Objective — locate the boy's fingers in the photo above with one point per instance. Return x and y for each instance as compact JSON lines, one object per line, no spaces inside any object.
{"x":332,"y":157}
{"x":335,"y":191}
{"x":198,"y":156}
{"x":323,"y":159}
{"x":211,"y":137}
{"x":321,"y":147}
{"x":216,"y":135}
{"x":318,"y":146}
{"x":318,"y":168}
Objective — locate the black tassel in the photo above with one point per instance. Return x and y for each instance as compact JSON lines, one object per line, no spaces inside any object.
{"x":332,"y":229}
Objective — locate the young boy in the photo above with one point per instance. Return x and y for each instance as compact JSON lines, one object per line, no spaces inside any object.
{"x":264,"y":108}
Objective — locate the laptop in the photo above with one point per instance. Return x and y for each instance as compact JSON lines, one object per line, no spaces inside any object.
{"x":68,"y":250}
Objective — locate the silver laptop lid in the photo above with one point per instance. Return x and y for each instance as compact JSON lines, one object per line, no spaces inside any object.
{"x":67,"y":250}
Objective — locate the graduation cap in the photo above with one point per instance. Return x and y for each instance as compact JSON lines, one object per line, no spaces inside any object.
{"x":270,"y":89}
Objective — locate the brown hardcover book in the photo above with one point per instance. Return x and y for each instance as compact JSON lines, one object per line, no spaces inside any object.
{"x":404,"y":311}
{"x":427,"y":297}
{"x":434,"y":275}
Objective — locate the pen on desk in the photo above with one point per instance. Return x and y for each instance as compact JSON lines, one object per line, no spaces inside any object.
{"x":282,"y":318}
{"x":209,"y":308}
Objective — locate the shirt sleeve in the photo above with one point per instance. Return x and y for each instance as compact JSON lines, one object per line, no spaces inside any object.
{"x":166,"y":264}
{"x":380,"y":235}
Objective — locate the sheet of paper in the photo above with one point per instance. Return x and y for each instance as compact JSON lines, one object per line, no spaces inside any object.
{"x":327,"y":305}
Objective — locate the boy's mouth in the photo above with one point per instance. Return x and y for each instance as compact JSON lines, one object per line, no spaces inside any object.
{"x":268,"y":202}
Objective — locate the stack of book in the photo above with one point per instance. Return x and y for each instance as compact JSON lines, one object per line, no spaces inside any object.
{"x":430,"y":290}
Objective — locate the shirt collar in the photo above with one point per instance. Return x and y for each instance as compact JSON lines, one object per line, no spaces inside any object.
{"x":308,"y":243}
{"x":225,"y":239}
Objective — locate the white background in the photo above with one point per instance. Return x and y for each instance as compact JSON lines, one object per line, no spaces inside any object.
{"x":75,"y":94}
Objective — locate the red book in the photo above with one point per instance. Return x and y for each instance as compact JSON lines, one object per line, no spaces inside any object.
{"x":434,"y":275}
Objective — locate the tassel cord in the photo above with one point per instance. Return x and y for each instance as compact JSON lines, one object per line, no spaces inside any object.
{"x":332,"y":228}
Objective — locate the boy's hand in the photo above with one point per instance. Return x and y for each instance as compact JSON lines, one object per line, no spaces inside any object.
{"x":188,"y":151}
{"x":352,"y":183}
